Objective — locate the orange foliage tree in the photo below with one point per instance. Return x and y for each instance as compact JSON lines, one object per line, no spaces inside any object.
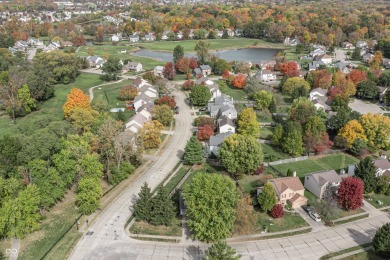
{"x":289,"y":68}
{"x":128,"y":93}
{"x":204,"y":133}
{"x":357,"y":75}
{"x":76,"y":99}
{"x":239,"y":81}
{"x":166,"y":100}
{"x":323,"y":79}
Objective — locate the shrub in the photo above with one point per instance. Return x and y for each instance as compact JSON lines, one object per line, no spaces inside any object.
{"x":381,"y":241}
{"x":277,"y":211}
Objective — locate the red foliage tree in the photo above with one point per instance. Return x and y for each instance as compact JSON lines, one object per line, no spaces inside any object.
{"x":188,"y":85}
{"x":277,"y":211}
{"x":79,"y":40}
{"x":169,"y":71}
{"x":193,"y":63}
{"x":183,"y":65}
{"x":204,"y":133}
{"x":357,"y":75}
{"x":288,"y":67}
{"x":350,"y":193}
{"x":292,"y":73}
{"x":260,"y":170}
{"x":323,"y":79}
{"x":166,"y":100}
{"x":225,"y":74}
{"x":334,"y":91}
{"x":324,"y":144}
{"x":239,"y":81}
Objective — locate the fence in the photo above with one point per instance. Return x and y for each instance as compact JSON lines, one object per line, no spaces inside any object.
{"x":297,"y":159}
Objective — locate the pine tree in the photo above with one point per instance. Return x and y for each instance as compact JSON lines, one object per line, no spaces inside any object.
{"x":163,"y":210}
{"x":143,"y":206}
{"x":193,"y":152}
{"x":278,"y":135}
{"x":366,"y":171}
{"x":381,"y":241}
{"x":267,"y":199}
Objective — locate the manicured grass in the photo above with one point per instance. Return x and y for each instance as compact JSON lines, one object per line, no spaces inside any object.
{"x":52,"y":106}
{"x":64,"y":247}
{"x":351,"y":249}
{"x":58,"y":220}
{"x":176,"y":179}
{"x":370,"y":254}
{"x":235,"y":93}
{"x":266,"y":133}
{"x":204,"y":168}
{"x":310,"y":196}
{"x":350,"y":219}
{"x":215,"y":44}
{"x":328,"y":162}
{"x":249,"y":183}
{"x":289,"y":221}
{"x":272,"y":153}
{"x":147,"y":63}
{"x":110,"y":93}
{"x":345,"y":213}
{"x":372,"y":198}
{"x":264,"y":117}
{"x":111,"y":50}
{"x":142,"y":227}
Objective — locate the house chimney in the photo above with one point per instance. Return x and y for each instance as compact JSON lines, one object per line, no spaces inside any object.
{"x":294,"y":173}
{"x":342,"y":172}
{"x":230,"y":116}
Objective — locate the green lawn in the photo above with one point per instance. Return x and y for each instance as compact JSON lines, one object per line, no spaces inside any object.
{"x":345,"y":213}
{"x":272,"y":153}
{"x":102,"y":50}
{"x":264,"y":117}
{"x":175,"y":179}
{"x":57,"y":221}
{"x":147,"y":63}
{"x":328,"y":162}
{"x":370,"y":255}
{"x":141,"y":227}
{"x":235,"y":93}
{"x":249,"y":184}
{"x":374,"y":197}
{"x":54,"y":105}
{"x":110,"y":93}
{"x":215,"y":44}
{"x":289,"y":221}
{"x":266,"y":133}
{"x":310,"y":196}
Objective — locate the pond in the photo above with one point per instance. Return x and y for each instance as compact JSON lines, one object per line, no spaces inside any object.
{"x":255,"y":55}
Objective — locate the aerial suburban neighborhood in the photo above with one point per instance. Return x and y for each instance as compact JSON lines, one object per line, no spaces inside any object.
{"x":195,"y":129}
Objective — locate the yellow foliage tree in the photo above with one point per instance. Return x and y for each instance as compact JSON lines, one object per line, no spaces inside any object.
{"x":76,"y":99}
{"x":377,"y":129}
{"x":247,"y":123}
{"x":352,"y":130}
{"x":151,"y":134}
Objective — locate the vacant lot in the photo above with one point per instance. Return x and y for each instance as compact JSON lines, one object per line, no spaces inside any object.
{"x":329,"y":162}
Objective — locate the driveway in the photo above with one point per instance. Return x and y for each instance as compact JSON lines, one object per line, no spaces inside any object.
{"x":316,"y":226}
{"x":364,"y":107}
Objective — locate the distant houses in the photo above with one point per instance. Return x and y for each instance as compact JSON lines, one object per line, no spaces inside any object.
{"x":319,"y":99}
{"x":213,"y":87}
{"x":95,"y":61}
{"x":133,"y":66}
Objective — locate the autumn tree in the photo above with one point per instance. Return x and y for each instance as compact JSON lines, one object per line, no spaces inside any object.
{"x":245,"y":215}
{"x":357,"y":76}
{"x":204,"y":133}
{"x":169,"y":71}
{"x":193,"y":63}
{"x":267,"y":198}
{"x":187,"y":85}
{"x":376,"y":62}
{"x":83,"y":119}
{"x":239,"y":81}
{"x":211,"y":206}
{"x":76,"y":99}
{"x":200,"y":95}
{"x":166,"y":100}
{"x":366,"y":171}
{"x":376,"y":128}
{"x":193,"y":152}
{"x":351,"y":131}
{"x":240,"y":154}
{"x":128,"y":92}
{"x":350,"y":193}
{"x":183,"y":65}
{"x":294,"y":83}
{"x":79,"y":40}
{"x":151,"y":134}
{"x":247,"y":123}
{"x":277,"y":211}
{"x":301,"y":110}
{"x":163,"y":114}
{"x":289,"y":68}
{"x":323,"y":79}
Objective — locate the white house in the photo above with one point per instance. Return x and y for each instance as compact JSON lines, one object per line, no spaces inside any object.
{"x":266,"y":75}
{"x":142,"y":99}
{"x":95,"y":61}
{"x":134,"y":38}
{"x":323,"y":184}
{"x":361,"y":44}
{"x":367,"y":57}
{"x":326,"y":59}
{"x":213,"y":87}
{"x":134,"y":66}
{"x":348,"y":45}
{"x":158,"y":71}
{"x":225,"y":125}
{"x":221,"y":106}
{"x":317,"y":92}
{"x":150,"y":37}
{"x":116,"y":38}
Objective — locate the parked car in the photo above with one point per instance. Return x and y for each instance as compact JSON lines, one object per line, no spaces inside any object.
{"x":307,"y":209}
{"x":315,"y":216}
{"x":177,"y":110}
{"x":203,"y":109}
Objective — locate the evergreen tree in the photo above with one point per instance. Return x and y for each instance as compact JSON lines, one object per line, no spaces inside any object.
{"x":178,"y":53}
{"x":163,"y":210}
{"x":381,"y":241}
{"x":278,"y":135}
{"x":193,"y":152}
{"x":225,"y":34}
{"x":366,"y":171}
{"x":221,"y":251}
{"x":267,"y":198}
{"x":143,"y":206}
{"x":292,"y":139}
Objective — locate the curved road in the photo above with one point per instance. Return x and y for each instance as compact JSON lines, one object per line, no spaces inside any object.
{"x":106,"y":238}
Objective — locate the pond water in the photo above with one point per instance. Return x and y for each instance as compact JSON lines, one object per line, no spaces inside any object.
{"x":255,"y":55}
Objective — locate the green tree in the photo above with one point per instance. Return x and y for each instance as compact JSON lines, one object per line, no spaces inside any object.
{"x":356,"y":54}
{"x":386,"y":98}
{"x":178,"y":53}
{"x":340,"y":103}
{"x":292,"y":139}
{"x":357,"y":146}
{"x":240,"y":154}
{"x":366,"y":171}
{"x":20,"y":216}
{"x":88,"y":195}
{"x":384,"y":79}
{"x":247,"y":123}
{"x":202,"y":51}
{"x":225,"y":34}
{"x":291,"y":84}
{"x":163,"y":114}
{"x":367,"y":89}
{"x":381,"y":241}
{"x":383,"y":185}
{"x":301,"y":110}
{"x":143,"y":206}
{"x":220,"y":251}
{"x":263,"y":99}
{"x":200,"y":95}
{"x":25,"y":99}
{"x":211,"y":200}
{"x":193,"y":152}
{"x":163,"y":210}
{"x":267,"y":198}
{"x":9,"y":148}
{"x":83,"y":119}
{"x":111,"y":69}
{"x":314,"y":127}
{"x":278,"y":135}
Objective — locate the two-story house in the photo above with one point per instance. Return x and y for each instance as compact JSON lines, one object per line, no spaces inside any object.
{"x":323,"y":184}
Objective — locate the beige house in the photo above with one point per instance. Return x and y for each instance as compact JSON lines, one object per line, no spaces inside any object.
{"x":289,"y":190}
{"x":323,"y":184}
